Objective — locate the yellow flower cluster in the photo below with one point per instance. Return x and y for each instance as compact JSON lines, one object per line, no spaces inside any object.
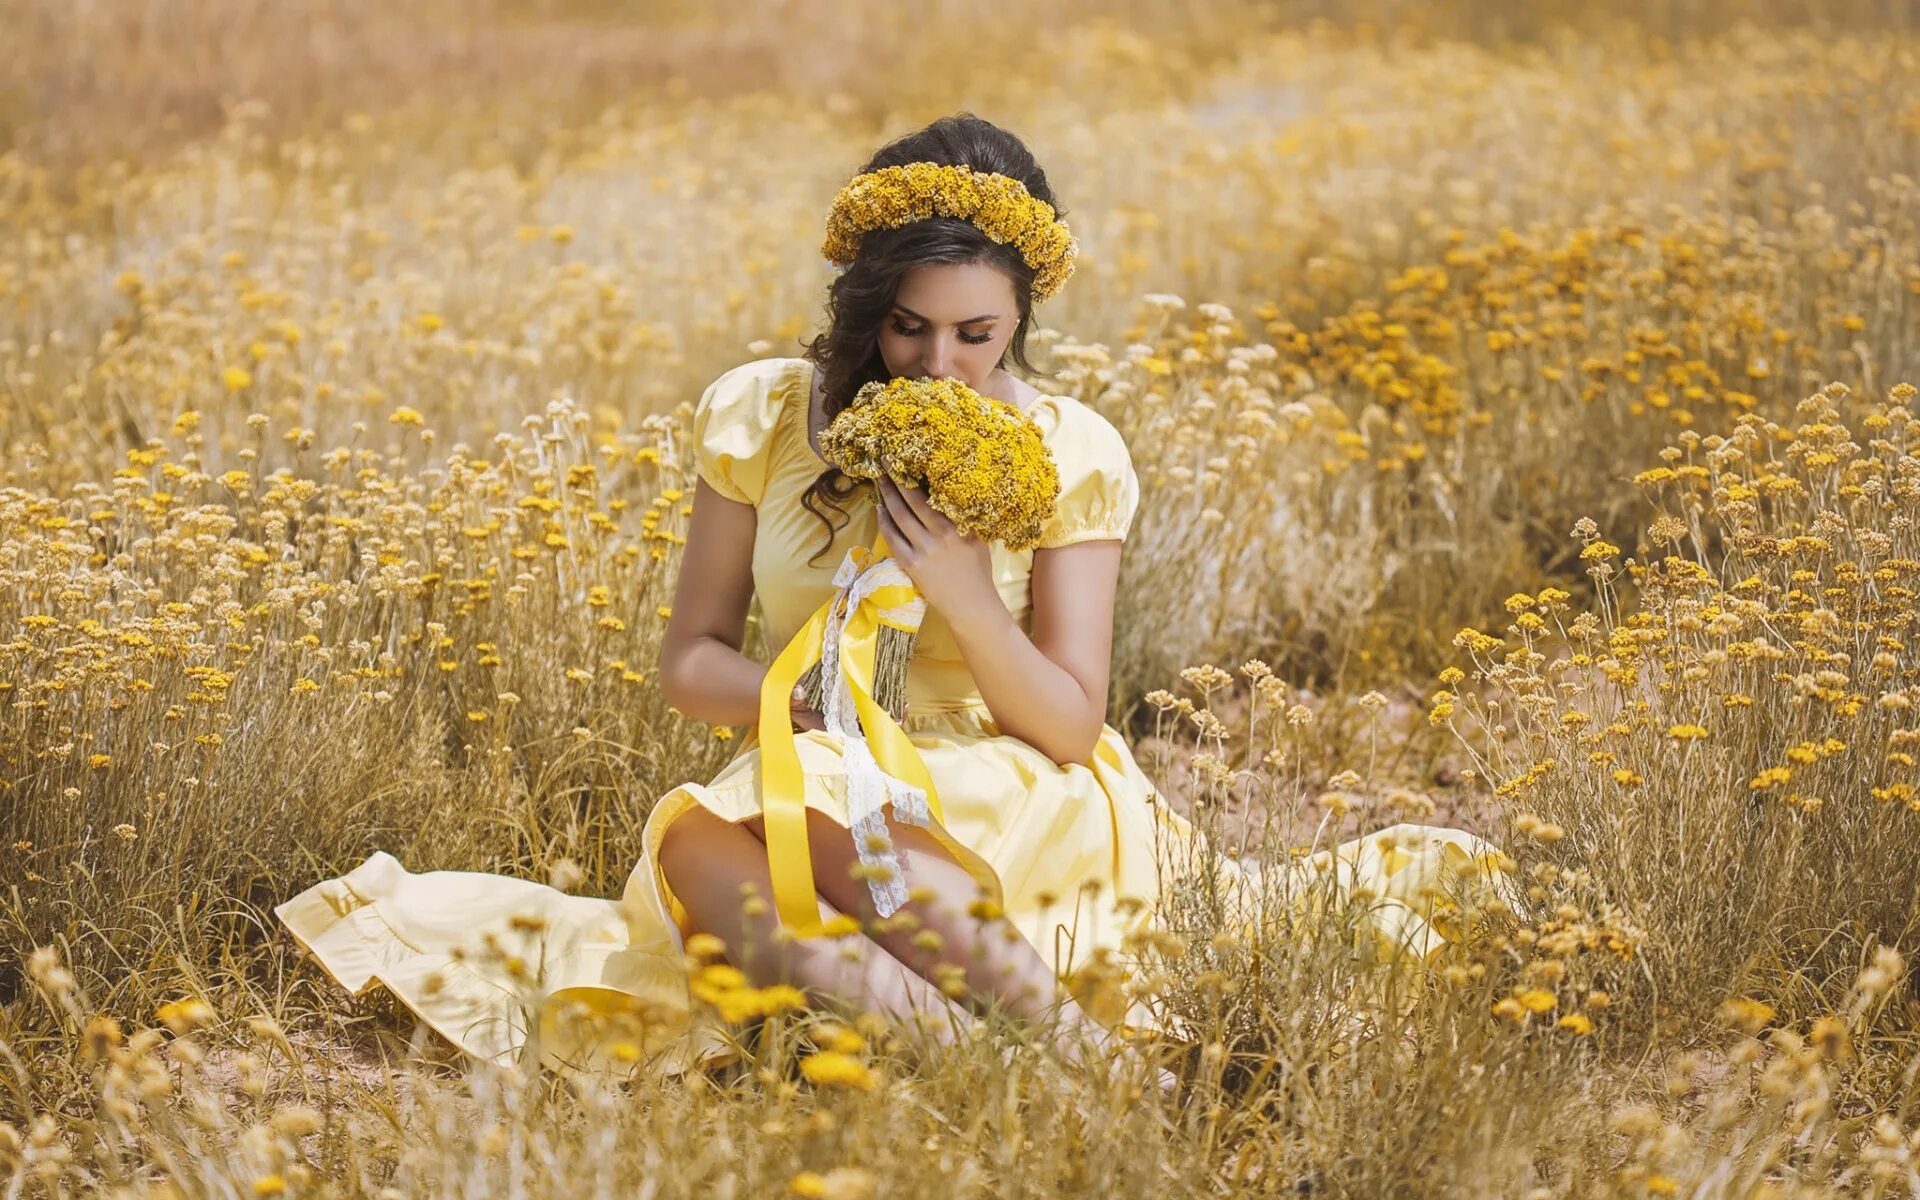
{"x":1410,"y":349}
{"x":1000,"y":205}
{"x":831,"y":1068}
{"x":984,"y":463}
{"x":726,"y":989}
{"x":1800,"y":621}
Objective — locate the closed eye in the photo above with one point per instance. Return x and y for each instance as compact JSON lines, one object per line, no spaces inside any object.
{"x":916,"y":331}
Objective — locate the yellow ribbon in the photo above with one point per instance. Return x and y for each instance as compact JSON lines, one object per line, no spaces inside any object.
{"x":783,"y":784}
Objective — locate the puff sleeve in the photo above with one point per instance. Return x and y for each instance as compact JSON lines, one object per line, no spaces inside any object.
{"x":1099,"y":491}
{"x":733,"y":427}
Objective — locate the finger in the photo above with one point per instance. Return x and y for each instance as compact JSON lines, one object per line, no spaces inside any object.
{"x":931,"y":519}
{"x":922,"y":506}
{"x":902,"y":545}
{"x":901,"y":509}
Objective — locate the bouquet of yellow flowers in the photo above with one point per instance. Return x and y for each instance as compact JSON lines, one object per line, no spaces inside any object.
{"x":982,"y":463}
{"x":985,"y":466}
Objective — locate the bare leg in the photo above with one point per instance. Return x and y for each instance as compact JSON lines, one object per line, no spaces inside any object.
{"x":983,"y":962}
{"x":708,"y":860}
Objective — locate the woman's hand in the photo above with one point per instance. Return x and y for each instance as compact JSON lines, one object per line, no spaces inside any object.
{"x":807,"y":718}
{"x":952,"y":570}
{"x":804,"y":717}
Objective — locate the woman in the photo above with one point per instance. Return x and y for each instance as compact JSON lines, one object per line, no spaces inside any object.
{"x":1046,"y":818}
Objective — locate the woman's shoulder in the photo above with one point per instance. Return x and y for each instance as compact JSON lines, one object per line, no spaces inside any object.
{"x":1099,"y":489}
{"x":1072,"y":426}
{"x":761,"y":385}
{"x":734,"y":423}
{"x":1099,"y":486}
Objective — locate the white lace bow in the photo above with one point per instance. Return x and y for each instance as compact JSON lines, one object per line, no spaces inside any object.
{"x":869,"y":788}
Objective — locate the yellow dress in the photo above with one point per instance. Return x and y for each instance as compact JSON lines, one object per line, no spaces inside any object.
{"x":1070,"y":852}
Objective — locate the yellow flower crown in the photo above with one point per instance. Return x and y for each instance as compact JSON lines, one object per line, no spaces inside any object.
{"x":999,"y":204}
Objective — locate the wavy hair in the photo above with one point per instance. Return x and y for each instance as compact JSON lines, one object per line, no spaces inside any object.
{"x":847,"y":354}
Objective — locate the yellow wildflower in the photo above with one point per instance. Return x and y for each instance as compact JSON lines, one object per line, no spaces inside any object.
{"x":720,"y":976}
{"x":841,"y":1039}
{"x":984,"y":909}
{"x":831,"y":1068}
{"x":1746,"y":1014}
{"x":1536,"y":1000}
{"x":810,"y":1185}
{"x":185,"y":1014}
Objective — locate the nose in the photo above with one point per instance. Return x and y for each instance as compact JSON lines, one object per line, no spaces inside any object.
{"x":939,"y":364}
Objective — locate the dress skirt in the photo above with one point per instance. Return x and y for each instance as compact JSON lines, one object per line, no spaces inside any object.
{"x":505,"y":968}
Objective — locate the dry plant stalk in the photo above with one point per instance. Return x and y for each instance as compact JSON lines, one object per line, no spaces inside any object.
{"x":285,"y":574}
{"x":892,"y":655}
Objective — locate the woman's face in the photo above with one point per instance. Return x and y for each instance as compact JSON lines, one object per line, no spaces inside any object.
{"x":949,"y":321}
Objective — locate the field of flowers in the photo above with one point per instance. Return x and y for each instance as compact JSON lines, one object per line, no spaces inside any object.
{"x":1523,"y":406}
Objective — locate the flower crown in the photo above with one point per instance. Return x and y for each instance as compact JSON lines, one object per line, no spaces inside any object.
{"x":999,"y":204}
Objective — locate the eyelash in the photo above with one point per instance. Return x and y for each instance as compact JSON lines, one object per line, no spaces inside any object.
{"x":903,"y":331}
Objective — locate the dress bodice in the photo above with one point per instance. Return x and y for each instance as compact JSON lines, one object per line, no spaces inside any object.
{"x":750,"y":444}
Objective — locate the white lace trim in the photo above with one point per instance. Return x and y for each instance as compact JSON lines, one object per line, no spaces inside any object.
{"x":869,"y":788}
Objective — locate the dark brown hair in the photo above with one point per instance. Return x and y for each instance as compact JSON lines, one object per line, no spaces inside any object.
{"x":847,"y":355}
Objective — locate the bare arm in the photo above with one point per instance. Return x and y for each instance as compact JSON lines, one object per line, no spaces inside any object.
{"x":702,"y":671}
{"x":1049,"y":689}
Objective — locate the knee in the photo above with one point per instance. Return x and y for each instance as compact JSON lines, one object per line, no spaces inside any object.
{"x":691,"y":846}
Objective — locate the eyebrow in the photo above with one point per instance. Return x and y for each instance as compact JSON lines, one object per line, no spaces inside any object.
{"x":969,"y":321}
